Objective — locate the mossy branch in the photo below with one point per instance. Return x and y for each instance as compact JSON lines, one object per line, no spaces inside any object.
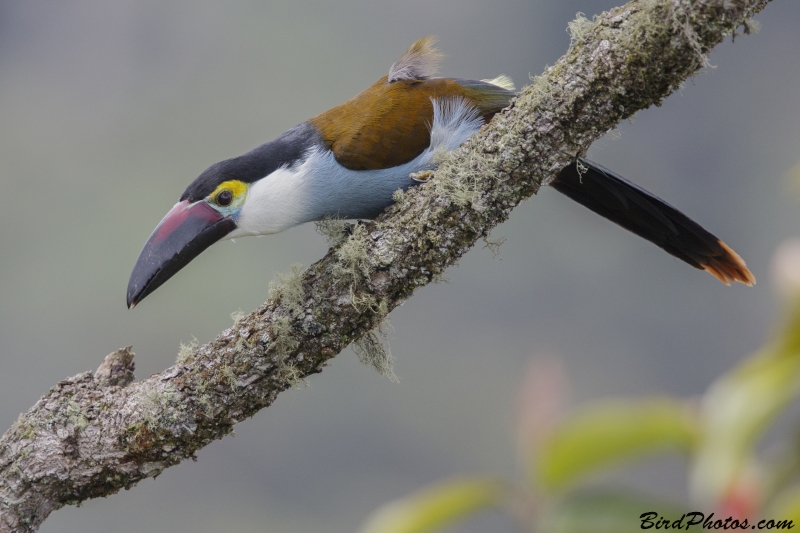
{"x":92,"y":435}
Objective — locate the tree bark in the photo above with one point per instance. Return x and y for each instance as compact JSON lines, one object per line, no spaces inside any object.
{"x":94,"y":434}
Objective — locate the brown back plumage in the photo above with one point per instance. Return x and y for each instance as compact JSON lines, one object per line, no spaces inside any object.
{"x":389,"y":123}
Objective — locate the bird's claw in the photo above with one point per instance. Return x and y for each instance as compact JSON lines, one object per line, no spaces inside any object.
{"x":422,"y":176}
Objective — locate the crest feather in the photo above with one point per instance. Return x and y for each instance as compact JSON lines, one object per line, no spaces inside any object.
{"x":420,"y":61}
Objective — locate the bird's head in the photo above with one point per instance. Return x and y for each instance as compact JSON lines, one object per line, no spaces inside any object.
{"x":254,"y":194}
{"x":207,"y":211}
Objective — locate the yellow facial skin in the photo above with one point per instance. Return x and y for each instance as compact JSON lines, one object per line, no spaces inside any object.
{"x":228,"y":197}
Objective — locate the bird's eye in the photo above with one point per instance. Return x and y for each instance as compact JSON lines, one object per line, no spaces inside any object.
{"x":224,"y":197}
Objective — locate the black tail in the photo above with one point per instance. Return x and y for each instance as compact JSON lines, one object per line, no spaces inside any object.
{"x":650,"y":217}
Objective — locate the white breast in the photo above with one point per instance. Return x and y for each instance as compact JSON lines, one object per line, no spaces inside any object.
{"x":319,"y":186}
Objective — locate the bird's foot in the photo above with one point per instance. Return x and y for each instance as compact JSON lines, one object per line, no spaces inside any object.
{"x":422,"y":176}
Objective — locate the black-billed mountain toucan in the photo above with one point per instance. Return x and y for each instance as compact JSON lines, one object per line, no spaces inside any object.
{"x":348,"y":161}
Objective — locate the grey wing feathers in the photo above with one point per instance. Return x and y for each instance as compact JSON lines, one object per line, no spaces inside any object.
{"x":489,"y":97}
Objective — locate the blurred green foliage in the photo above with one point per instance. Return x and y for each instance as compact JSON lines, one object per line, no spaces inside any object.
{"x":611,"y":432}
{"x":719,"y":437}
{"x":436,"y":506}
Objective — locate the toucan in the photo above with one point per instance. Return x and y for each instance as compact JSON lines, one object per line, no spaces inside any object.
{"x":348,"y":161}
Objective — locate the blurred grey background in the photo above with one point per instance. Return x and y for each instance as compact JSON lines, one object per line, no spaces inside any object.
{"x":109,"y":109}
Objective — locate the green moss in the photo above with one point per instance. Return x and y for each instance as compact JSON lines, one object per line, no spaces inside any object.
{"x":751,"y":27}
{"x":24,"y":429}
{"x":186,"y":351}
{"x":434,"y":238}
{"x":440,"y":277}
{"x":204,"y":398}
{"x":494,"y":244}
{"x":680,"y":25}
{"x":16,"y":470}
{"x":289,"y":373}
{"x":283,"y":339}
{"x":363,"y":301}
{"x":579,"y":28}
{"x":372,"y":351}
{"x":237,"y":316}
{"x":288,"y":289}
{"x":333,"y":229}
{"x":75,"y":415}
{"x":353,"y":261}
{"x":229,"y":376}
{"x":383,"y":311}
{"x":399,"y":196}
{"x":461,"y":186}
{"x":353,"y":268}
{"x":161,"y":406}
